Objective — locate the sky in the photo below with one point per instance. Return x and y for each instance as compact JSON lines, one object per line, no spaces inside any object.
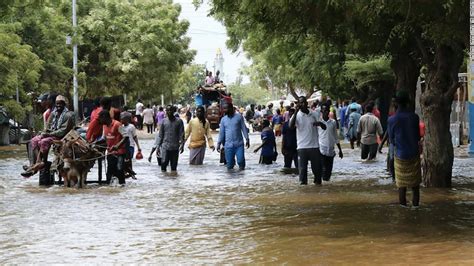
{"x":207,"y":35}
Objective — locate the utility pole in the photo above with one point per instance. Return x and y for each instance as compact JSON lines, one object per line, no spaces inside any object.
{"x":74,"y":62}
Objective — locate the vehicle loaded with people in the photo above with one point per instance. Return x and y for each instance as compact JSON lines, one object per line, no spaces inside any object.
{"x":213,"y":96}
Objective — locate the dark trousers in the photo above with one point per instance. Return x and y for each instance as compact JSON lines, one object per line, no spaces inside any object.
{"x":314,"y":156}
{"x":115,"y":168}
{"x":326,"y":165}
{"x":169,"y":157}
{"x":391,"y":167}
{"x":368,"y":151}
{"x":149,"y":128}
{"x":140,"y":122}
{"x":266,"y":160}
{"x":291,"y":156}
{"x":416,"y":195}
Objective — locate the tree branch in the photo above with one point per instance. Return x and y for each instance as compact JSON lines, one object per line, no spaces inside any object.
{"x":452,"y":89}
{"x":292,"y":90}
{"x":425,"y":54}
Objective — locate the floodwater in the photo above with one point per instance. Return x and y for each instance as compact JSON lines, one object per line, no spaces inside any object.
{"x":206,"y":215}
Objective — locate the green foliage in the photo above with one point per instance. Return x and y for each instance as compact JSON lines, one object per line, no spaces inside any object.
{"x":19,"y":68}
{"x":312,"y":37}
{"x":245,"y":94}
{"x":369,"y":73}
{"x":190,"y":77}
{"x":135,"y":47}
{"x":45,"y":30}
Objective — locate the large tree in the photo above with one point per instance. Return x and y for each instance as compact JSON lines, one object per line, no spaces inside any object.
{"x":41,"y":25}
{"x":433,"y":34}
{"x":414,"y":33}
{"x":136,"y":47}
{"x":19,"y":70}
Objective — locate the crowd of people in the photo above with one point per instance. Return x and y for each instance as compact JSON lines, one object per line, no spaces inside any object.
{"x":309,"y":134}
{"x":149,"y":116}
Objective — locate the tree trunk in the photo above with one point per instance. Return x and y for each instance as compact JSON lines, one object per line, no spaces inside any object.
{"x":438,"y":153}
{"x":384,"y":94}
{"x":406,"y":71}
{"x":436,"y":100}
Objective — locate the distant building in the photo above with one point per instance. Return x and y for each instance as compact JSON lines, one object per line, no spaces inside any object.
{"x":219,"y":64}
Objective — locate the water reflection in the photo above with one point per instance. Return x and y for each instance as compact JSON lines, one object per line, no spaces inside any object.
{"x":208,"y":216}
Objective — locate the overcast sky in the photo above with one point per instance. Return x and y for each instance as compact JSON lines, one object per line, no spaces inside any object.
{"x":207,"y":35}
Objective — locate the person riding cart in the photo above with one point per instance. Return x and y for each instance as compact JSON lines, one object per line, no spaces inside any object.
{"x":60,"y":122}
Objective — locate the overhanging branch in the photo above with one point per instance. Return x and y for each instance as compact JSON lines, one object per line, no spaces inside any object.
{"x":292,"y":90}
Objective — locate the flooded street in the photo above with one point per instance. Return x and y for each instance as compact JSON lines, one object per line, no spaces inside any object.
{"x":206,"y":215}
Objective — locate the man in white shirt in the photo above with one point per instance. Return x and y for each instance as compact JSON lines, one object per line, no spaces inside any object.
{"x":148,"y":118}
{"x":138,"y":114}
{"x":327,"y":139}
{"x":307,"y":122}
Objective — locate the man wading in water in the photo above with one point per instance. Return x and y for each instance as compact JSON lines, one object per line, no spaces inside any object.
{"x":288,"y":144}
{"x":368,"y":128}
{"x":404,"y":133}
{"x":232,"y":127}
{"x":306,"y":122}
{"x":170,"y":140}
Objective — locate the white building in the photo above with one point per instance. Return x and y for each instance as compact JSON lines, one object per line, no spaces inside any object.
{"x":219,"y":64}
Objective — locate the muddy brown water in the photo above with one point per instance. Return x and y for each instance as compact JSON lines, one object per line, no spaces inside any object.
{"x":206,"y":215}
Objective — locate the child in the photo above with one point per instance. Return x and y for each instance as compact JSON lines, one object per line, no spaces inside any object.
{"x":129,"y":130}
{"x":158,"y":152}
{"x":327,"y":139}
{"x":116,"y":140}
{"x":277,"y":121}
{"x":268,"y":145}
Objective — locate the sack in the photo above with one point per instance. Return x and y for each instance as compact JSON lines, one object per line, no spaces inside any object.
{"x":139,"y":155}
{"x":275,"y":156}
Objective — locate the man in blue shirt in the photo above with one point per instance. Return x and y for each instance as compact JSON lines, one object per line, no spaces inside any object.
{"x":231,"y":129}
{"x":404,"y":133}
{"x":343,"y":118}
{"x":354,"y":105}
{"x":198,"y":100}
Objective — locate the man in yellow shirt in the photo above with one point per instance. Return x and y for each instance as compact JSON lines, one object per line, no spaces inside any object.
{"x":199,"y":130}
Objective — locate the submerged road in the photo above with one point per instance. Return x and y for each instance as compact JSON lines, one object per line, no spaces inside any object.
{"x":205,"y":215}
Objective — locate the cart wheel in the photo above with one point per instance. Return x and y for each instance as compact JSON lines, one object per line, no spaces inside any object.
{"x":46,"y":177}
